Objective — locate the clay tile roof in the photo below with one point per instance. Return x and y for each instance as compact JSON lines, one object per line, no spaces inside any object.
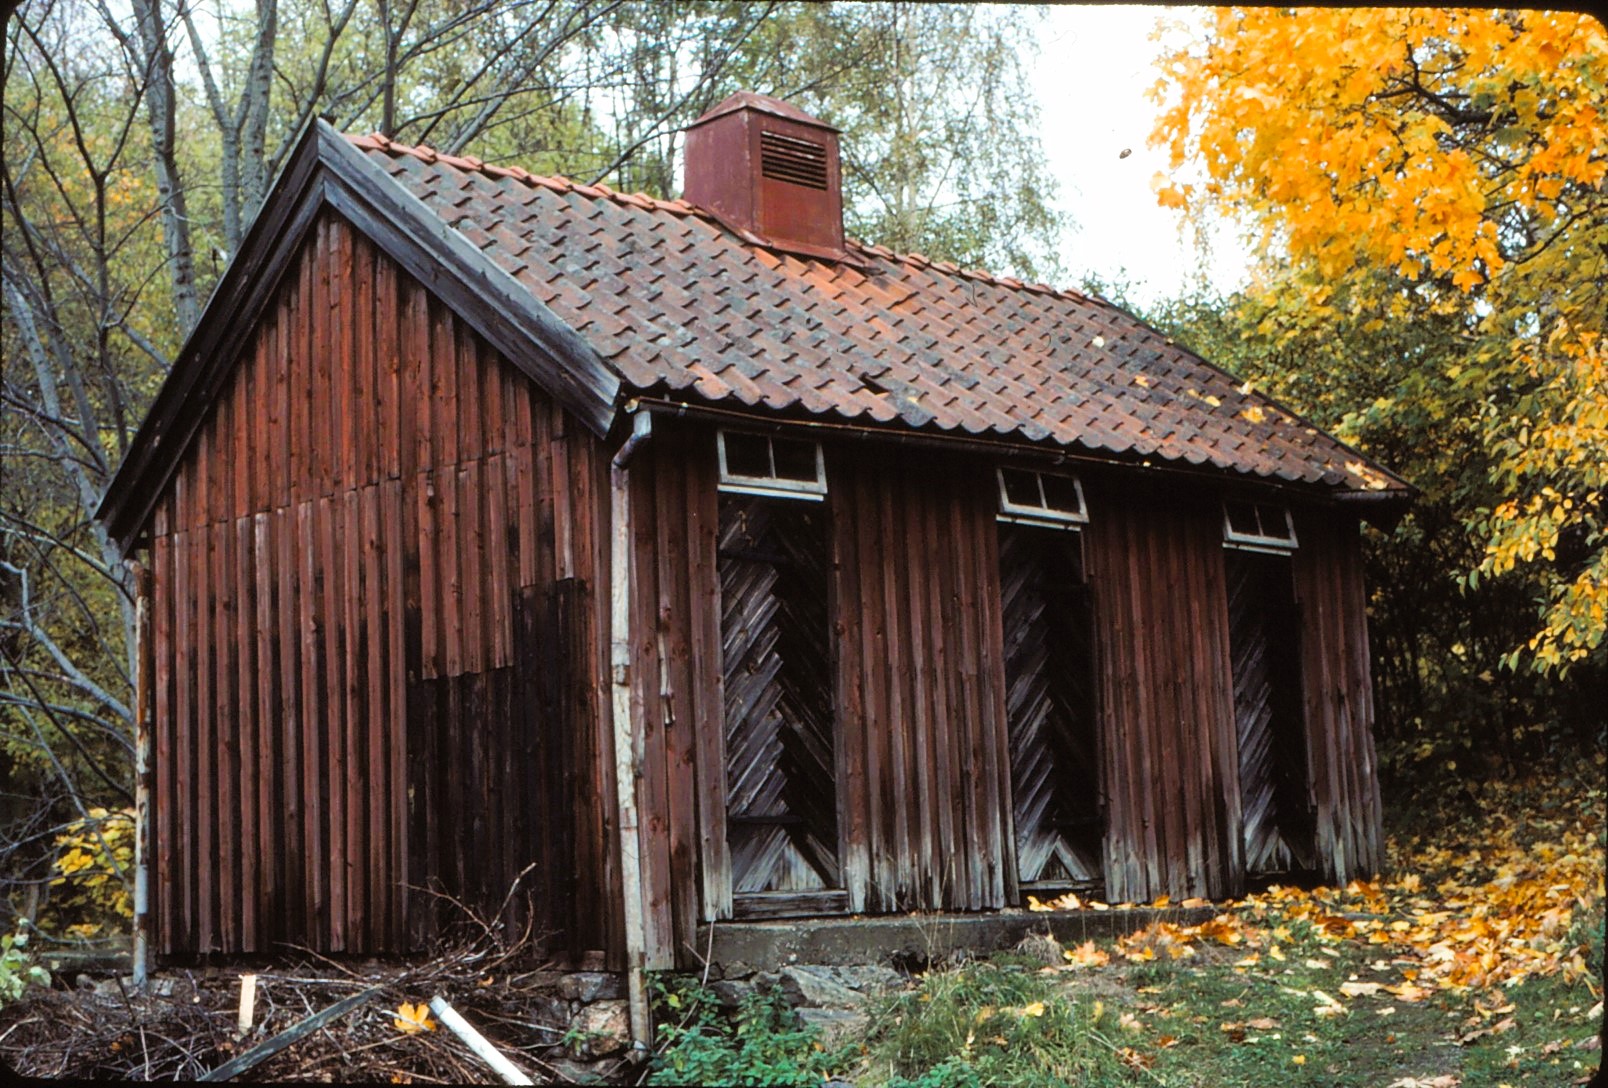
{"x":683,"y":307}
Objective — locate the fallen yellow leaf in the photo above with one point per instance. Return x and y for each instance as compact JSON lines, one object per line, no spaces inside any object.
{"x":1087,"y":955}
{"x":1360,"y":989}
{"x":412,"y":1019}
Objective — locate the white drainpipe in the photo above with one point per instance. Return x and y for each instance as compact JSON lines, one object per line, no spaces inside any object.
{"x":627,"y":738}
{"x":142,"y":769}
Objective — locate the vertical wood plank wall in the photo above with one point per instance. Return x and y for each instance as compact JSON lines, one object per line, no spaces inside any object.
{"x":923,"y":775}
{"x":675,"y":661}
{"x":923,"y":769}
{"x":925,"y":802}
{"x":1339,"y":697}
{"x":1166,"y":693}
{"x":379,"y":633}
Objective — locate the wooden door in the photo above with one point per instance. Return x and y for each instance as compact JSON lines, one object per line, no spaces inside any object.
{"x":1265,"y":642}
{"x":1050,"y":709}
{"x":781,"y":796}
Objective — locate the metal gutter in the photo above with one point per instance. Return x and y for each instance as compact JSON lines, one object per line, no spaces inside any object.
{"x":1001,"y":448}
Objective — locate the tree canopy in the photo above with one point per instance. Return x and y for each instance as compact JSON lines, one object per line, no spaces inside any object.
{"x":1443,"y":170}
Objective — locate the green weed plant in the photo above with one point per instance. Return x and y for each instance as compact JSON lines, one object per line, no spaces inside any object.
{"x":762,"y":1042}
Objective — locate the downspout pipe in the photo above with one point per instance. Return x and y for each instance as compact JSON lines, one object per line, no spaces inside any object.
{"x":627,"y":737}
{"x":144,"y":666}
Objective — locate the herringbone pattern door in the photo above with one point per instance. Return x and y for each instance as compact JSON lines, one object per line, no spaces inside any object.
{"x":781,"y":801}
{"x":1050,"y":708}
{"x":1264,"y":639}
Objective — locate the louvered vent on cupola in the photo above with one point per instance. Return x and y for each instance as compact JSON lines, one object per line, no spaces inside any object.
{"x":763,"y":166}
{"x":787,"y":158}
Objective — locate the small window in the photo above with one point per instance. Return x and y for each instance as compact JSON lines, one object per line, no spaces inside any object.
{"x":1040,"y":498}
{"x":759,"y":464}
{"x":1258,"y":526}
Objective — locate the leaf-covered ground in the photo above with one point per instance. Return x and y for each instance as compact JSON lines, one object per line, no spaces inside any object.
{"x":1477,"y":960}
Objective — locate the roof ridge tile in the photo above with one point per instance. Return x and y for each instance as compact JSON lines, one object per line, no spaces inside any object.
{"x":680,"y":206}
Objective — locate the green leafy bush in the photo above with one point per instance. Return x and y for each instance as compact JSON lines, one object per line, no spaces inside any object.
{"x":762,"y":1043}
{"x":17,"y":969}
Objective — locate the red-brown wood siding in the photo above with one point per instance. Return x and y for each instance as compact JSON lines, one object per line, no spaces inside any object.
{"x":378,"y":633}
{"x":924,"y":803}
{"x":380,"y":624}
{"x":676,"y":678}
{"x":924,"y":795}
{"x":1166,"y":694}
{"x":1339,"y":695}
{"x":925,"y":808}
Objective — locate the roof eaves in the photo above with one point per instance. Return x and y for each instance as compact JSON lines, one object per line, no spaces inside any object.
{"x":891,"y":426}
{"x":481,"y":291}
{"x":1372,"y":478}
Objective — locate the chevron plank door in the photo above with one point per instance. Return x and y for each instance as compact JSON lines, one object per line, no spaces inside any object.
{"x":1049,"y":679}
{"x":781,"y":800}
{"x":1264,"y":638}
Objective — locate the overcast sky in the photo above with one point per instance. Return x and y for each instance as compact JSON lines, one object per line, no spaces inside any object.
{"x":1093,"y":71}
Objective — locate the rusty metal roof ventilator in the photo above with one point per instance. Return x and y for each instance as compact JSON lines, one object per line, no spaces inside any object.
{"x":627,"y":737}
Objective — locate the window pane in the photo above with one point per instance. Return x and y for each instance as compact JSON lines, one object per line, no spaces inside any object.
{"x":1061,"y":493}
{"x":1274,"y":523}
{"x":747,"y":454}
{"x":1021,"y":488}
{"x":1242,"y":518}
{"x":795,"y":459}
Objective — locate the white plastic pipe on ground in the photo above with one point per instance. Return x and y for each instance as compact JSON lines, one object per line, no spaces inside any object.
{"x":493,"y":1057}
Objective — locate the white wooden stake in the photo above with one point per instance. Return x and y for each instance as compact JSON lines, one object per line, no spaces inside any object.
{"x":248,"y":1002}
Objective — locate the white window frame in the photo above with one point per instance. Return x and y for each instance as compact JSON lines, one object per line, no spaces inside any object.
{"x":772,"y":486}
{"x":1260,"y":542}
{"x":1043,"y":514}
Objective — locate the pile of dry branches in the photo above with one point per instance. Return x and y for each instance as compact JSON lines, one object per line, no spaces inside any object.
{"x":186,"y":1024}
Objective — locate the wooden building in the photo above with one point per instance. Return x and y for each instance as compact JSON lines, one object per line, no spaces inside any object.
{"x":715,"y":566}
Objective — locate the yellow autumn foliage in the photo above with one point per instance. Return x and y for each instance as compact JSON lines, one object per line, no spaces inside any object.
{"x":1423,"y":161}
{"x":92,"y":876}
{"x":410,"y":1018}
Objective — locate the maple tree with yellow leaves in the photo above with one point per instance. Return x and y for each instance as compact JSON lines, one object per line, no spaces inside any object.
{"x":1447,"y":166}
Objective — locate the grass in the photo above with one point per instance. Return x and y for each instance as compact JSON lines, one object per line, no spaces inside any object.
{"x":1477,"y":964}
{"x":1204,"y":1021}
{"x":991,"y":1024}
